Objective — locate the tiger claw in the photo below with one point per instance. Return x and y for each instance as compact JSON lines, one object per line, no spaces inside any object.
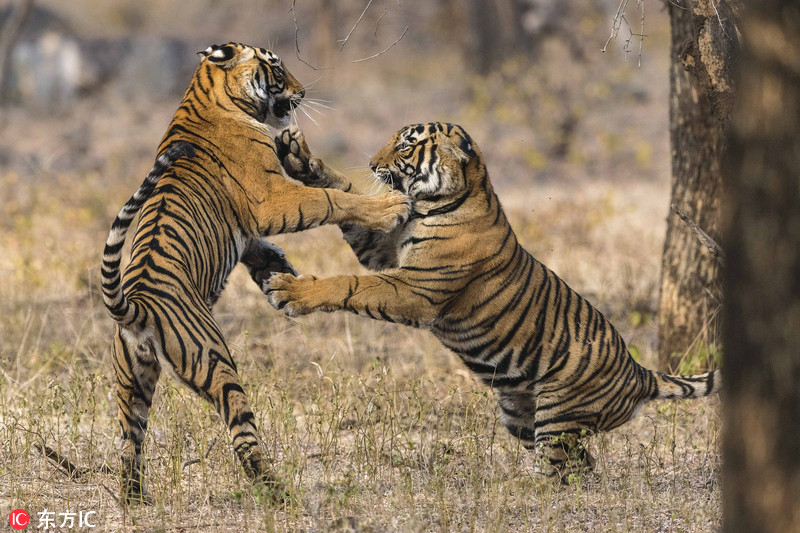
{"x":290,"y":293}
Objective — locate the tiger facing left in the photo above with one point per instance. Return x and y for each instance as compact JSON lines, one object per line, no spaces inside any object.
{"x":215,"y":192}
{"x":561,"y":370}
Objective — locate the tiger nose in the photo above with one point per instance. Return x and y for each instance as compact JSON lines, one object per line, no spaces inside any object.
{"x":372,"y":166}
{"x":302,"y":92}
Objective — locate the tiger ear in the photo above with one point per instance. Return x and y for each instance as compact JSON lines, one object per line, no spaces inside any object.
{"x":220,"y":55}
{"x":459,"y":144}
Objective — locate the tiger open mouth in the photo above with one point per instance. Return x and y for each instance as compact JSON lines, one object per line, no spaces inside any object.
{"x":283,"y":106}
{"x":388,"y":177}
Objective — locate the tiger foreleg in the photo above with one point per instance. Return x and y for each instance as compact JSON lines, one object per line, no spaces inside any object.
{"x":386,"y":296}
{"x":262,"y":259}
{"x":375,"y":250}
{"x":298,"y":208}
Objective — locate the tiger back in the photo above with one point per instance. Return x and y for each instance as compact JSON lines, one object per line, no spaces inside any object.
{"x":560,"y":368}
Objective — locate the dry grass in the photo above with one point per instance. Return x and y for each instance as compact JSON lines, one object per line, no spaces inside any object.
{"x":364,"y":419}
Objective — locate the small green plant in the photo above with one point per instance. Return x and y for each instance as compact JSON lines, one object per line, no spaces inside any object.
{"x":706,"y":356}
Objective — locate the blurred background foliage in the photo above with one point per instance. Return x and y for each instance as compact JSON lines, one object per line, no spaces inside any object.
{"x":528,"y":75}
{"x":576,"y":140}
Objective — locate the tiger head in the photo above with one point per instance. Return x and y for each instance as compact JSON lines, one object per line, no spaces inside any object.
{"x":426,"y":161}
{"x":254,"y":79}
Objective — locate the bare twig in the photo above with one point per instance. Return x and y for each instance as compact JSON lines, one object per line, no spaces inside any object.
{"x":190,"y":462}
{"x":714,"y":248}
{"x":377,"y":22}
{"x":385,"y":49}
{"x":617,"y":22}
{"x":297,"y":43}
{"x":719,"y":19}
{"x":73,"y":471}
{"x":113,"y":497}
{"x":641,"y":34}
{"x":344,"y":41}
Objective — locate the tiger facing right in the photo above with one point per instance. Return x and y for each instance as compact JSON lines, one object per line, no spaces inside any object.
{"x":560,"y":368}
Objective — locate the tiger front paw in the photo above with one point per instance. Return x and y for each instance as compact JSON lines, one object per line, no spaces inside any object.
{"x":262,"y":259}
{"x":295,"y":295}
{"x":296,"y":158}
{"x":386,"y":212}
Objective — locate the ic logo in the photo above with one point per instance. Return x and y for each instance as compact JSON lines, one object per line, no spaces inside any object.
{"x":18,"y":519}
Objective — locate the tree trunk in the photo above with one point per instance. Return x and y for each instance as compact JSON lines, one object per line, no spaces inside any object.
{"x":495,"y":33}
{"x":761,"y":478}
{"x":324,"y":39}
{"x":703,"y":48}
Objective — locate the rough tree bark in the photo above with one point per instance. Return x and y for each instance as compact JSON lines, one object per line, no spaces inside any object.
{"x":761,"y":477}
{"x":704,"y":48}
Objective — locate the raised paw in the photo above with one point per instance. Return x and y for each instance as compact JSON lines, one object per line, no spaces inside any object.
{"x":296,"y":157}
{"x":386,"y":211}
{"x":295,"y":295}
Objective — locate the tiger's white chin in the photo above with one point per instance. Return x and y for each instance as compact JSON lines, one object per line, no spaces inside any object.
{"x":278,"y":122}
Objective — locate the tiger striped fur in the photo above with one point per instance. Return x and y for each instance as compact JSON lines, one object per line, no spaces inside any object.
{"x":560,"y":368}
{"x":215,"y":192}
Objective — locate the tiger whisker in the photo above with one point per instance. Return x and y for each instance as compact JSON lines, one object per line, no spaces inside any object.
{"x":309,"y":116}
{"x":318,"y":104}
{"x":315,"y":110}
{"x":319,"y":99}
{"x":375,"y":185}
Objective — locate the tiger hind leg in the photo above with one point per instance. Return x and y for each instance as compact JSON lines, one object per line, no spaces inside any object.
{"x":137,"y":372}
{"x":563,"y":456}
{"x":561,"y":438}
{"x":557,"y":456}
{"x":211,"y":373}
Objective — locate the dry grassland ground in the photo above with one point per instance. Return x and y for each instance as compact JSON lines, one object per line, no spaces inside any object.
{"x":363,"y":419}
{"x":374,"y":427}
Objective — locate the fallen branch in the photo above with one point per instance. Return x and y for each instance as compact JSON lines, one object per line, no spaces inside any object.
{"x":72,"y":470}
{"x":190,"y":462}
{"x":714,"y":248}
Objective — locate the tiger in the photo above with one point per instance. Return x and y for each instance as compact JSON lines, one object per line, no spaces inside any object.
{"x":215,"y":192}
{"x":560,"y":369}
